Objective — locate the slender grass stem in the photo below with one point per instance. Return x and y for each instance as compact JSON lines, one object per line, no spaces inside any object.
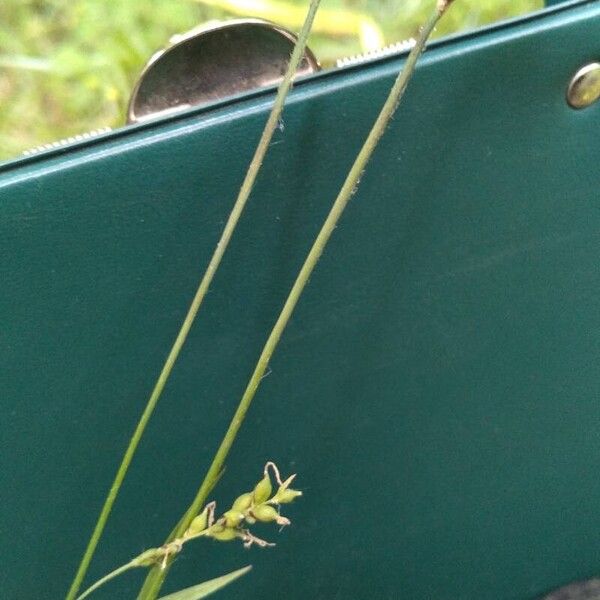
{"x":119,"y":571}
{"x":156,"y":577}
{"x":207,"y":278}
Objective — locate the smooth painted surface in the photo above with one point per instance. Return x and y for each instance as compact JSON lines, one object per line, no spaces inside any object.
{"x":437,"y":390}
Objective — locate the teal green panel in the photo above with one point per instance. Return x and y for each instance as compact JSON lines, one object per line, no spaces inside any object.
{"x":437,"y":390}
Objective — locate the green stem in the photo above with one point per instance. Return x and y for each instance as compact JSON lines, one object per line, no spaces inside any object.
{"x":130,"y":565}
{"x":156,"y":577}
{"x":147,"y":558}
{"x":207,"y":278}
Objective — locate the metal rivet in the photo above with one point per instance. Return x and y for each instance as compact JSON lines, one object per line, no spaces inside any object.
{"x":584,"y":88}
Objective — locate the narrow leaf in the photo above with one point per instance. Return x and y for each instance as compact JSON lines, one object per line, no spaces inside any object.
{"x":202,"y":590}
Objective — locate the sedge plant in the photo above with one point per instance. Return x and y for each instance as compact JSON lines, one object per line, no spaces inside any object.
{"x":160,"y":559}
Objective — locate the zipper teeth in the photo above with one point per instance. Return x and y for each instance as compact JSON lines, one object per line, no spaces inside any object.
{"x":358,"y":59}
{"x":66,"y":141}
{"x":347,"y":61}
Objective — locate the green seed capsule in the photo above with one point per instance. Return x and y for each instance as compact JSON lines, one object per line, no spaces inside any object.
{"x":233,"y":518}
{"x":243,"y":502}
{"x":199,"y":523}
{"x":263,"y":489}
{"x":224,"y":535}
{"x":286,"y":496}
{"x":265,"y":513}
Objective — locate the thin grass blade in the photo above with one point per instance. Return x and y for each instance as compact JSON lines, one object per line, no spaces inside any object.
{"x":202,"y":590}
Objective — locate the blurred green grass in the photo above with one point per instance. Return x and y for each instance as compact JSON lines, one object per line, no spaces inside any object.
{"x":68,"y":66}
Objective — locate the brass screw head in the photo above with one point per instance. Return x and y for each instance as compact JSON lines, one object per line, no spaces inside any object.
{"x":584,"y":88}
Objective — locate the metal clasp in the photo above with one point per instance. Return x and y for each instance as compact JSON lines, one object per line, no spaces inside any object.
{"x":212,"y":62}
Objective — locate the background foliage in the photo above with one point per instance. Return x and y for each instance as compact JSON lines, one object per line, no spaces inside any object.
{"x":67,"y":66}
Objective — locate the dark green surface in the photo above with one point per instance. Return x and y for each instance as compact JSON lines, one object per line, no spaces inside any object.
{"x":437,"y":390}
